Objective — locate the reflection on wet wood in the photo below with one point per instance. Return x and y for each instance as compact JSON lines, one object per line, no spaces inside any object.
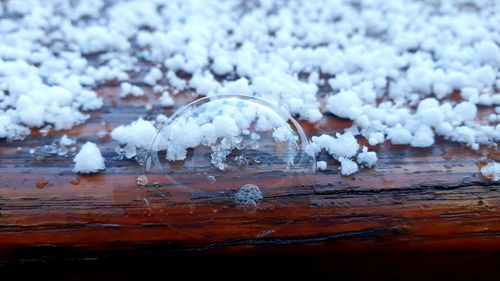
{"x":415,"y":198}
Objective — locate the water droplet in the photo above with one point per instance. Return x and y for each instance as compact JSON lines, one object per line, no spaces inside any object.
{"x":211,"y":179}
{"x":142,"y":180}
{"x":42,"y":182}
{"x":39,"y":157}
{"x":75,"y":181}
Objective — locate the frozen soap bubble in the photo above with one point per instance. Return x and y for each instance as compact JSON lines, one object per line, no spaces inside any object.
{"x":237,"y":140}
{"x":228,"y":137}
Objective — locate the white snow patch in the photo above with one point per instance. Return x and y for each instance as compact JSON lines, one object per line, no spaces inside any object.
{"x":348,"y":167}
{"x":344,"y":104}
{"x":128,"y":89}
{"x":367,"y":158}
{"x":138,"y":134}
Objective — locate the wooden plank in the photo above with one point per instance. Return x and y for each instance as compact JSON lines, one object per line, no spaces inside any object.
{"x":414,"y":199}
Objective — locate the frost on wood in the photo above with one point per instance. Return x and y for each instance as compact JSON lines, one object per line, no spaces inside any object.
{"x":343,"y":148}
{"x":89,"y":159}
{"x":389,"y":66}
{"x":64,"y":147}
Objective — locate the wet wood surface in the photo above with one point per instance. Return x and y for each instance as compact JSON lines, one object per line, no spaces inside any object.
{"x":415,"y":199}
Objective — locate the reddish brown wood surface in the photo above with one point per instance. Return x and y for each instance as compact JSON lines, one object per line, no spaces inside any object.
{"x":415,"y":199}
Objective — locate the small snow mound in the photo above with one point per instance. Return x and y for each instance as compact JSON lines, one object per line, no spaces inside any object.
{"x":491,"y":171}
{"x":348,"y":167}
{"x":321,"y":165}
{"x":128,"y":89}
{"x":367,"y":158}
{"x":166,"y":100}
{"x":89,"y":159}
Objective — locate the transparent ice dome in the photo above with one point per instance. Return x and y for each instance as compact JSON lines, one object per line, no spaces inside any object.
{"x":229,"y":133}
{"x":211,"y":148}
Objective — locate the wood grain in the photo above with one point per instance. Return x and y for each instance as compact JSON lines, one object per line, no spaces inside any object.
{"x":415,"y":199}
